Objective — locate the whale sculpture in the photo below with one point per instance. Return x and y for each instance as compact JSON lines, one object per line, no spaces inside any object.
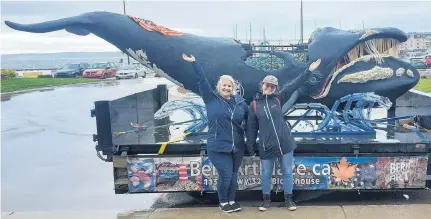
{"x":352,"y":61}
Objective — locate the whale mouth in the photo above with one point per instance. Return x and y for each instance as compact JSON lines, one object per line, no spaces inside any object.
{"x":376,"y":49}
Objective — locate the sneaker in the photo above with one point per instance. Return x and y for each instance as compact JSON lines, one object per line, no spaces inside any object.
{"x":226,"y":208}
{"x":289,"y":203}
{"x":266,"y":202}
{"x":235,"y":206}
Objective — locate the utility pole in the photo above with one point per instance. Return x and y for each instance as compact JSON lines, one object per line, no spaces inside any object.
{"x":302,"y":26}
{"x":363,"y":25}
{"x":124,"y":11}
{"x":250,"y":32}
{"x":246,"y":34}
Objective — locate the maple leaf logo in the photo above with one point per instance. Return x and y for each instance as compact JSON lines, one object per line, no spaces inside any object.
{"x":343,"y":172}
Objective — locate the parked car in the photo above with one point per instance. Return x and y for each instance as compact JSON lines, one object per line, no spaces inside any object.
{"x":101,"y":70}
{"x":419,"y":64}
{"x":132,"y":71}
{"x":428,"y":61}
{"x":72,"y":70}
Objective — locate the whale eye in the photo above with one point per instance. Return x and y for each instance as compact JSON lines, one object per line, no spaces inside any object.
{"x":314,"y":79}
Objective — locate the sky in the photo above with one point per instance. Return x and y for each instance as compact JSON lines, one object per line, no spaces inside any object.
{"x":281,"y":19}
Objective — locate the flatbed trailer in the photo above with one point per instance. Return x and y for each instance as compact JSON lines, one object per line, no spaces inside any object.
{"x":148,"y":162}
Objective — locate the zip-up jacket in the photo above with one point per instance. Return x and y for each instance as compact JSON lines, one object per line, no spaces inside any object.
{"x":275,"y":137}
{"x":226,"y":119}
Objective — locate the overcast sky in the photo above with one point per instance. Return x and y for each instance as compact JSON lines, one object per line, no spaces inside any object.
{"x":209,"y":18}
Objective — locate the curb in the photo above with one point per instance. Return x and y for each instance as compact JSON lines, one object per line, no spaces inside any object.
{"x":49,"y":88}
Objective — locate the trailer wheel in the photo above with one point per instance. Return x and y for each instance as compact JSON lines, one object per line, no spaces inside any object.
{"x":302,"y":196}
{"x":205,"y":197}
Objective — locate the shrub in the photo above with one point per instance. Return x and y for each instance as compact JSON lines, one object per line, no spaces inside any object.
{"x":9,"y":72}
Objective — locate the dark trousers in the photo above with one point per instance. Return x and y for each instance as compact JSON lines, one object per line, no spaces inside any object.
{"x":227,"y":165}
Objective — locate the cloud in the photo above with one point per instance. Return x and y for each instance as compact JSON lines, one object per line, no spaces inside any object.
{"x":13,"y":43}
{"x":208,"y":18}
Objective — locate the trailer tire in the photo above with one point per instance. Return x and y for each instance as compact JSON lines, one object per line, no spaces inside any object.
{"x":302,"y":196}
{"x":205,"y":197}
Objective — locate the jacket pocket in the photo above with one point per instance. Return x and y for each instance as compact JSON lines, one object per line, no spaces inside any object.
{"x":262,"y":140}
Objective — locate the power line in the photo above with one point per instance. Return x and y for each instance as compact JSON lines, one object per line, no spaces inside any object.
{"x":302,"y":25}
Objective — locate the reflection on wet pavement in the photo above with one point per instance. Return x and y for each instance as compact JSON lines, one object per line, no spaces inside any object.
{"x":48,"y":157}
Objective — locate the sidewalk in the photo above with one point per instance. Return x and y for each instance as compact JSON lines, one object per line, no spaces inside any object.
{"x":303,"y":212}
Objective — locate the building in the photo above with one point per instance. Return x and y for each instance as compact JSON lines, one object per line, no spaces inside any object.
{"x":417,"y":41}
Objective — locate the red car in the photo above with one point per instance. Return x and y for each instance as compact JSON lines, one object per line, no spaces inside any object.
{"x":428,"y":61}
{"x":101,"y":70}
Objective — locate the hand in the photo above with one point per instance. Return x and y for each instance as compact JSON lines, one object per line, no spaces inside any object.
{"x":189,"y":59}
{"x":314,"y":65}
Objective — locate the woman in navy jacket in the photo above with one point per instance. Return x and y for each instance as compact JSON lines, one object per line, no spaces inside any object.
{"x":227,"y":113}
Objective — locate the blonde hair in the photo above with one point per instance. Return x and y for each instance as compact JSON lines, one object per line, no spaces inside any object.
{"x":229,"y":78}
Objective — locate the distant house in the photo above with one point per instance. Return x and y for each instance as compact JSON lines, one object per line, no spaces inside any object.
{"x":417,"y":41}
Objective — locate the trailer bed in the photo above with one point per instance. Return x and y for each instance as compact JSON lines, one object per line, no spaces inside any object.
{"x":390,"y":159}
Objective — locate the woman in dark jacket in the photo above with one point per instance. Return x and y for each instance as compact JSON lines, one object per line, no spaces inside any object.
{"x":275,"y":140}
{"x":226,"y":113}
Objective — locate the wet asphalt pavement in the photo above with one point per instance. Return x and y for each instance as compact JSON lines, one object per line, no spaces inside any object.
{"x":48,"y":158}
{"x":49,"y":162}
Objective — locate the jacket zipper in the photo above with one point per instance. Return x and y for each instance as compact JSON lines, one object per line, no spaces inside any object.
{"x":266,"y":113}
{"x":231,"y":118}
{"x":278,"y":140}
{"x":231,"y":124}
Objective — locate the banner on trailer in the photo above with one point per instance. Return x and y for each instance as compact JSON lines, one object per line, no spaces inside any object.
{"x":141,"y":174}
{"x":174,"y":174}
{"x":309,"y":173}
{"x":401,"y":172}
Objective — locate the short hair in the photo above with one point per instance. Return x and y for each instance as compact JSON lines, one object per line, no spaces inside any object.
{"x":229,"y":78}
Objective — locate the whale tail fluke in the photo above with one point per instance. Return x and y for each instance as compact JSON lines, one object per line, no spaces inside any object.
{"x":72,"y":25}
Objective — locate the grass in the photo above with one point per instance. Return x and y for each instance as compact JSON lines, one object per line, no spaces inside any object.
{"x":16,"y":84}
{"x":424,"y":85}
